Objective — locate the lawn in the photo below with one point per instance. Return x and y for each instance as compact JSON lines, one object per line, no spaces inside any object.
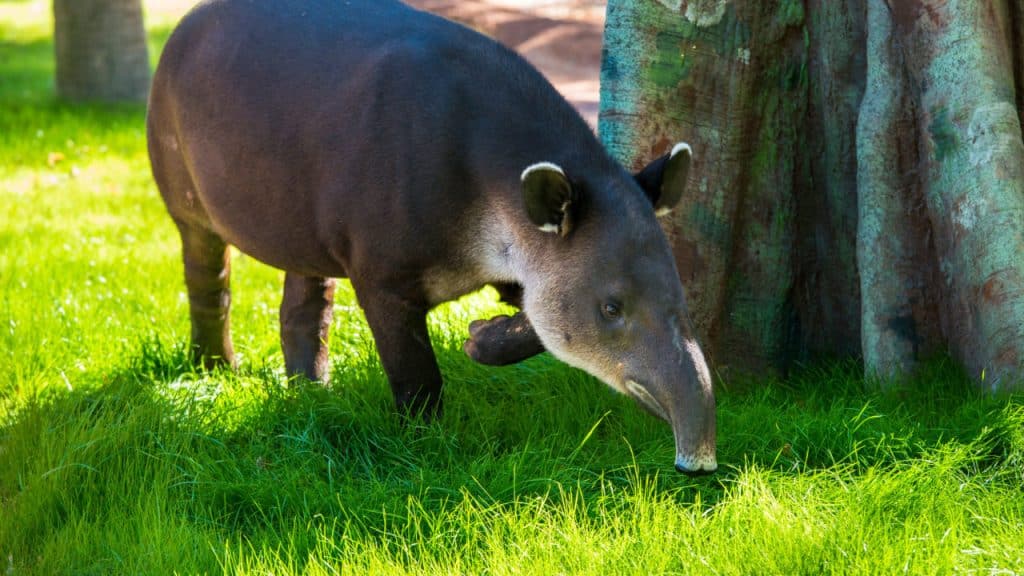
{"x":118,"y":457}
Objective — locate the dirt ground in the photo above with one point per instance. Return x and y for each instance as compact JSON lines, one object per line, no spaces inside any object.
{"x":562,"y":38}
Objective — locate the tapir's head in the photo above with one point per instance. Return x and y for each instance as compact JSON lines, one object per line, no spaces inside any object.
{"x":603,"y":294}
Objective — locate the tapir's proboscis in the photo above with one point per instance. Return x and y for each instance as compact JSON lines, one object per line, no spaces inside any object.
{"x":363,"y":139}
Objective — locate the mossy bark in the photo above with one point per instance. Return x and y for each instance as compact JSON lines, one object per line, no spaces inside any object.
{"x":828,"y":304}
{"x":705,"y":75}
{"x":895,"y":252}
{"x":858,"y":184}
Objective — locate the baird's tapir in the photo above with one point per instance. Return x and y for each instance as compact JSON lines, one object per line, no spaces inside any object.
{"x":421,"y":160}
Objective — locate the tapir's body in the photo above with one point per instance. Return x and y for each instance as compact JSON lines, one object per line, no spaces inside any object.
{"x":367,"y":140}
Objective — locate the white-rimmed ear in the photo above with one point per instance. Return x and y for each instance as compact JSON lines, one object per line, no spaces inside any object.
{"x":665,"y":179}
{"x":549,"y":197}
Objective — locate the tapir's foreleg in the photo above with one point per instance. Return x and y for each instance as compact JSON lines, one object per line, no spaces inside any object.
{"x":400,"y":331}
{"x":306,"y":312}
{"x":503,"y":339}
{"x":207,"y":277}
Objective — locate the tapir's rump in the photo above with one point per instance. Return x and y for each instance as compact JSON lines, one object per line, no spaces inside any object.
{"x":367,"y":140}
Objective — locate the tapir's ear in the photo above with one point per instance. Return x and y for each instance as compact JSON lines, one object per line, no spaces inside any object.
{"x":664,"y":179}
{"x":549,"y":198}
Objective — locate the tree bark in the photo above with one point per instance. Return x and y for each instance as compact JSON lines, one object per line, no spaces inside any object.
{"x":858,"y":184}
{"x":101,"y":50}
{"x":895,"y":252}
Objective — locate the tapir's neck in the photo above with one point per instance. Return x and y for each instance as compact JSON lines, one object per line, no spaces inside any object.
{"x":506,"y":246}
{"x":499,"y":148}
{"x":500,"y":244}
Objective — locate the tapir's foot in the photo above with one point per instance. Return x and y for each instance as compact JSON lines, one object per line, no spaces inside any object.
{"x":307,"y":367}
{"x":213,"y":351}
{"x":502,"y":340}
{"x":306,"y":312}
{"x":212,"y":361}
{"x":208,"y":276}
{"x":423,"y":407}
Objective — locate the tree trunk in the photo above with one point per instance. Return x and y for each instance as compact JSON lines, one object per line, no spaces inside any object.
{"x":858,"y":183}
{"x":101,"y":50}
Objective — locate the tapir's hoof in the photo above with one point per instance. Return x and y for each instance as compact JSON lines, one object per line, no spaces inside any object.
{"x":305,"y":382}
{"x":210,"y":362}
{"x":421,"y":411}
{"x":502,"y":340}
{"x":478,"y":328}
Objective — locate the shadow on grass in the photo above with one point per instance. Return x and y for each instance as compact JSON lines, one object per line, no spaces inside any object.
{"x":27,"y":69}
{"x":242,"y":450}
{"x":243,"y":457}
{"x":35,"y":123}
{"x":828,"y":417}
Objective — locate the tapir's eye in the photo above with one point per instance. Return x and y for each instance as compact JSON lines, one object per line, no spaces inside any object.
{"x":611,"y":310}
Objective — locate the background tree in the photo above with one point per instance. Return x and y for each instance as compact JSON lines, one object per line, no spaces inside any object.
{"x":101,"y":50}
{"x":858,"y":186}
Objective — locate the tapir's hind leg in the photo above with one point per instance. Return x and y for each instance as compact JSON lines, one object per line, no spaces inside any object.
{"x":400,"y":331}
{"x":207,"y":276}
{"x":306,"y":312}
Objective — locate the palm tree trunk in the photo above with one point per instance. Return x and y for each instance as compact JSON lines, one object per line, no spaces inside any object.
{"x":101,"y":50}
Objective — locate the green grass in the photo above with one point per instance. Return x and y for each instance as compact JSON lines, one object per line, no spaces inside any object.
{"x":117,"y":457}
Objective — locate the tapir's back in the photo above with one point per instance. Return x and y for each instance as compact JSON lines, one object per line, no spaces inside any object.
{"x":318,"y":118}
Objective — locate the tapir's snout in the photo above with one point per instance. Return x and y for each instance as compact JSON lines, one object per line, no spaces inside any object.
{"x":693,"y":425}
{"x":683,"y":397}
{"x":682,"y":394}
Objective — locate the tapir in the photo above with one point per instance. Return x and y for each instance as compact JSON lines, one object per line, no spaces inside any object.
{"x":367,"y":140}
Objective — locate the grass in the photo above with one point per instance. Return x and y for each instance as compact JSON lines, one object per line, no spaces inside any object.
{"x":117,"y":457}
